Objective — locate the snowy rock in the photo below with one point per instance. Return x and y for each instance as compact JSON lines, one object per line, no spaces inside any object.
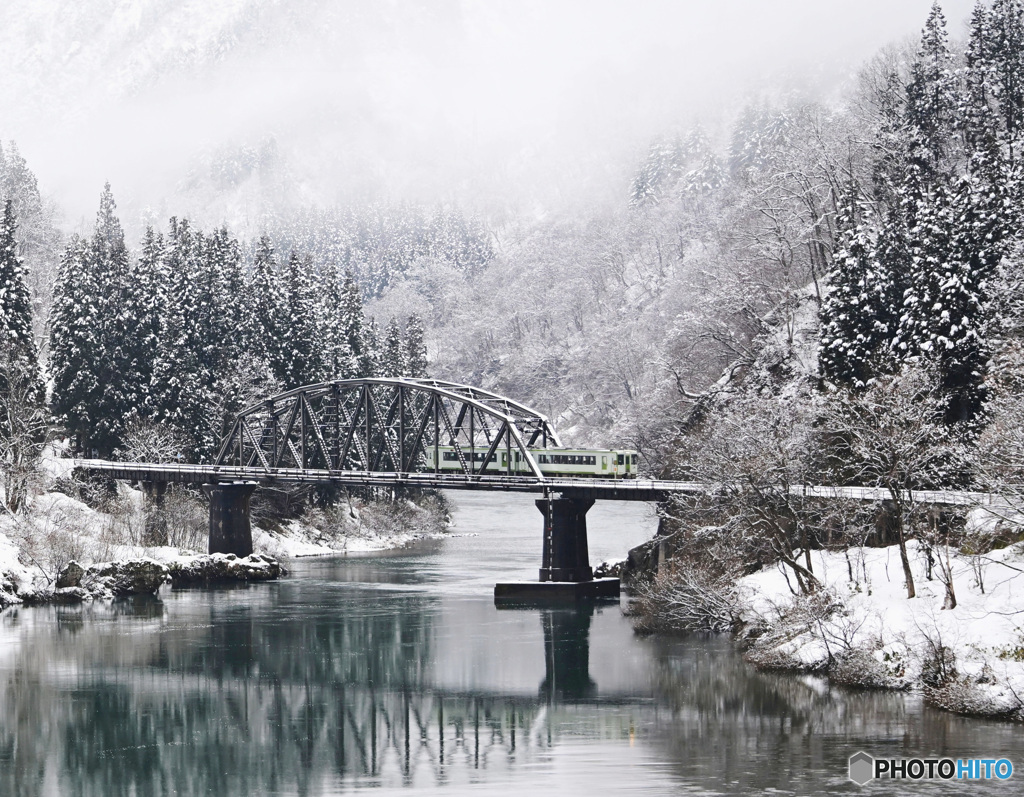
{"x":70,"y":576}
{"x":224,"y":567}
{"x":8,"y":598}
{"x":131,"y":577}
{"x":70,"y":595}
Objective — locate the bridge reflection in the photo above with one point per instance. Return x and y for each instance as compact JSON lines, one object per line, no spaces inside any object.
{"x":124,"y":699}
{"x":325,"y":688}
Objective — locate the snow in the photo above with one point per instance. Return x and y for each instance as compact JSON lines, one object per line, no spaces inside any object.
{"x":985,"y":632}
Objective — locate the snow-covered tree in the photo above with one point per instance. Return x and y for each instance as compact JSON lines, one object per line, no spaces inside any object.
{"x":415,"y":348}
{"x":266,"y":307}
{"x":97,"y":361}
{"x":22,"y":395}
{"x":302,"y":349}
{"x":857,"y":316}
{"x":393,"y":355}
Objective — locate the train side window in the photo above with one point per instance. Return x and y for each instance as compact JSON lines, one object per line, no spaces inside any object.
{"x":604,"y":462}
{"x":504,"y":460}
{"x":622,"y":459}
{"x":634,"y":458}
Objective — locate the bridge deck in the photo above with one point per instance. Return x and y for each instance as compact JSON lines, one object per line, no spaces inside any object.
{"x":607,"y":489}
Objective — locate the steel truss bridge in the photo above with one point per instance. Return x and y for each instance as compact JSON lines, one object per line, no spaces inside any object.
{"x":390,"y":433}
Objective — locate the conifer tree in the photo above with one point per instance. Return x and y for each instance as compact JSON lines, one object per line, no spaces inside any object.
{"x":22,"y":394}
{"x":393,"y":357}
{"x":416,"y":348}
{"x":370,"y":350}
{"x":856,"y":317}
{"x":352,"y":327}
{"x":302,"y":348}
{"x":98,"y":368}
{"x":1004,"y":30}
{"x":74,"y":344}
{"x":181,"y":378}
{"x":19,"y":351}
{"x":339,"y":359}
{"x":931,"y":97}
{"x":266,"y":303}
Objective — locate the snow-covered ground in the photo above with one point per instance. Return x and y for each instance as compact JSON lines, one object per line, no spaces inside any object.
{"x":975,"y":649}
{"x":57,"y":528}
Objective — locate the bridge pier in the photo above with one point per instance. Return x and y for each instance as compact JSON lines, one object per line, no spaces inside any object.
{"x":565,"y":572}
{"x":566,"y":556}
{"x":230,"y":522}
{"x":155,"y":531}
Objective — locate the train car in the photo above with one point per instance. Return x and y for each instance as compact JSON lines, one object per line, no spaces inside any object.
{"x":588,"y":462}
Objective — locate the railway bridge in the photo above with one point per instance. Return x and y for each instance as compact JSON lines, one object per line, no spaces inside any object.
{"x":414,"y":433}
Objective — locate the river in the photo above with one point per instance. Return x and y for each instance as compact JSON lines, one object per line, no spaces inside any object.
{"x":386,"y":672}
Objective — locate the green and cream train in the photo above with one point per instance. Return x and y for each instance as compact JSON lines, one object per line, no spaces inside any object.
{"x":589,"y":462}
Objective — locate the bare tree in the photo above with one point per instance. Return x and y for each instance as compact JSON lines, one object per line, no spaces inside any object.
{"x":892,"y":436}
{"x":755,"y":451}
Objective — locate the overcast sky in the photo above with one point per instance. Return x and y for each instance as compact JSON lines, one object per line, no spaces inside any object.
{"x":403,"y":99}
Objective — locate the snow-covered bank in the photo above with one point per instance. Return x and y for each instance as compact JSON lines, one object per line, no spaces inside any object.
{"x":861,"y":629}
{"x":58,"y":530}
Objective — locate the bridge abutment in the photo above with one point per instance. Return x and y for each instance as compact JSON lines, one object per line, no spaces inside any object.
{"x":565,"y":572}
{"x":230,"y":521}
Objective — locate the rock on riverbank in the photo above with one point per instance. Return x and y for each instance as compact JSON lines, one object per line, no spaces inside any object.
{"x":143,"y":576}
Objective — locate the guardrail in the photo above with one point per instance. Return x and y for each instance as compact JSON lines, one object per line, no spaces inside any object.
{"x":622,"y":489}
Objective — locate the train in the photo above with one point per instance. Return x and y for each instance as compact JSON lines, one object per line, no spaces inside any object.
{"x":590,"y":462}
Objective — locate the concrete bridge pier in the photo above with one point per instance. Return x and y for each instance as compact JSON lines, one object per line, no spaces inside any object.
{"x":155,"y":531}
{"x":565,"y":572}
{"x":566,"y":556}
{"x":230,"y":521}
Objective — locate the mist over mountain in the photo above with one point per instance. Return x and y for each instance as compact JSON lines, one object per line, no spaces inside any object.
{"x":229,"y":111}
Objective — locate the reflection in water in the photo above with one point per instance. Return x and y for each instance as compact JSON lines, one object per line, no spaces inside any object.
{"x":567,"y":654}
{"x":360,"y":673}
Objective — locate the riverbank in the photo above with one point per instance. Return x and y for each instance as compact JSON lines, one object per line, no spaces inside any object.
{"x":860,"y":630}
{"x":66,"y":549}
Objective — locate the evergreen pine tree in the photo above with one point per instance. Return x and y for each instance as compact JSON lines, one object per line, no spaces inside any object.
{"x":370,"y":350}
{"x":17,"y":343}
{"x":180,"y":384}
{"x":266,"y":308}
{"x":416,"y":348}
{"x":352,"y":326}
{"x":931,"y":98}
{"x":98,"y":368}
{"x":1004,"y":31}
{"x":74,"y":344}
{"x":339,"y":359}
{"x":22,"y":395}
{"x":855,"y":315}
{"x":393,"y":357}
{"x":302,"y":350}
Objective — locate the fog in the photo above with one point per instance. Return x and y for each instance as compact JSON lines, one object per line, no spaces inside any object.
{"x":494,"y":104}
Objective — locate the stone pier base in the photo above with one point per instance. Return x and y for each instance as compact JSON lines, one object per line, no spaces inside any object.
{"x":230,"y":523}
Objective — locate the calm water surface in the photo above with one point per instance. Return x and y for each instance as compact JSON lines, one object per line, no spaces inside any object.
{"x":393,"y":672}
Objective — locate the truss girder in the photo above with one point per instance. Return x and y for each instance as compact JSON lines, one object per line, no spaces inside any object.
{"x":387,"y":425}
